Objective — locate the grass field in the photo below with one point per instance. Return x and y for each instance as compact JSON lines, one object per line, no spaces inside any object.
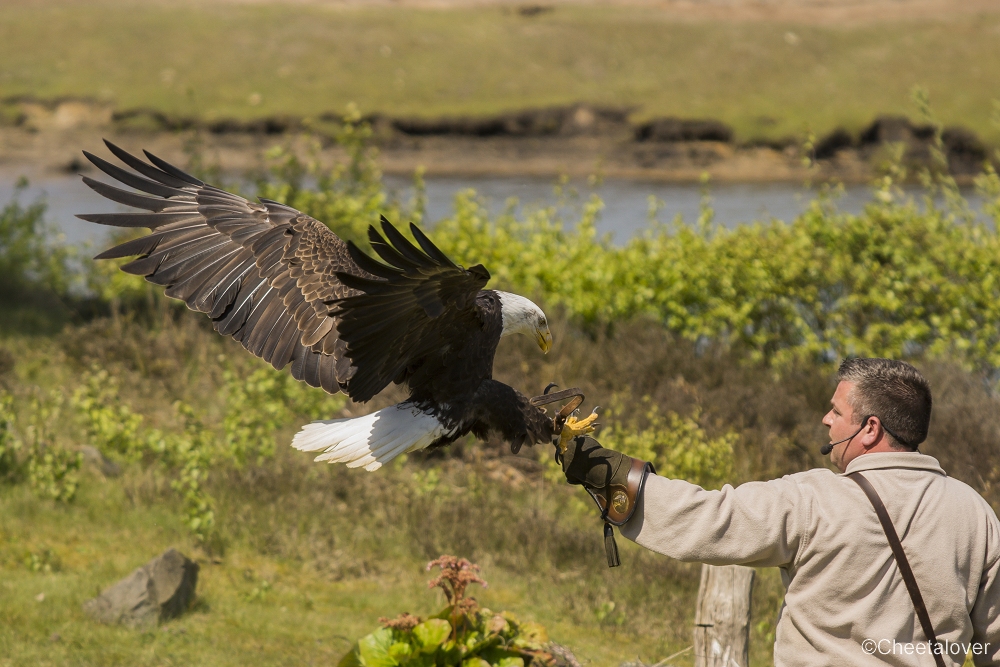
{"x":311,"y":555}
{"x":765,"y":78}
{"x":254,"y":607}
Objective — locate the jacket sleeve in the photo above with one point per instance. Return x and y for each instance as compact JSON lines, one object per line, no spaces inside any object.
{"x":759,"y":524}
{"x":985,"y":613}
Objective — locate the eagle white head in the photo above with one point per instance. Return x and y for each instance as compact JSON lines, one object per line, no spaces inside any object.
{"x":521,"y":315}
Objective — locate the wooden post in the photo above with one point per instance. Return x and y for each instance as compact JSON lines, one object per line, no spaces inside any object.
{"x":722,"y":619}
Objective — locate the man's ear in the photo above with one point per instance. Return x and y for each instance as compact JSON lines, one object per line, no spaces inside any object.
{"x":872,"y":433}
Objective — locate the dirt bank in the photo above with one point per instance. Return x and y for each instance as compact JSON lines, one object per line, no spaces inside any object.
{"x":575,"y":140}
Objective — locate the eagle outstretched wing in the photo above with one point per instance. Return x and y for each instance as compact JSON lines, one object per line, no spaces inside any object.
{"x":284,"y":285}
{"x":404,"y":320}
{"x":264,"y":272}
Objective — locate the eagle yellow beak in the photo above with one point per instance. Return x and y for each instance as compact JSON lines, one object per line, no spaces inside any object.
{"x":544,"y":339}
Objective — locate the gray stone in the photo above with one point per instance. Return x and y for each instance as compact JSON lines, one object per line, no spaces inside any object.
{"x":159,"y":590}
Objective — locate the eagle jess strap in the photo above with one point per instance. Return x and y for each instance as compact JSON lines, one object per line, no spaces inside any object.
{"x":903,"y":563}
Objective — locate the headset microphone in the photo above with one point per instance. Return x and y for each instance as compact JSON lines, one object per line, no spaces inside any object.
{"x":826,"y":449}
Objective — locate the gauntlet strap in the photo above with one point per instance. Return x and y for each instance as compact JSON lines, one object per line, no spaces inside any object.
{"x":623,"y":498}
{"x":622,"y":506}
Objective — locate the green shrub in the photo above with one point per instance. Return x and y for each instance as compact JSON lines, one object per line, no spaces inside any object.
{"x":463,"y":633}
{"x":31,"y":254}
{"x":192,"y":450}
{"x":54,"y":472}
{"x":261,"y":402}
{"x":52,"y":469}
{"x":900,"y":279}
{"x":9,"y":444}
{"x":897,"y":280}
{"x":111,"y":425}
{"x":676,"y":446}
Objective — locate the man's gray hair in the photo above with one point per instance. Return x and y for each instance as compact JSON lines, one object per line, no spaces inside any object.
{"x":893,"y":391}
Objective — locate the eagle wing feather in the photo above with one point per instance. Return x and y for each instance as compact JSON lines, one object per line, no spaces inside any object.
{"x":264,"y":272}
{"x":417,"y":306}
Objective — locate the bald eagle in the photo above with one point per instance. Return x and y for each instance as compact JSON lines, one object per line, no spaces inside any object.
{"x":295,"y":294}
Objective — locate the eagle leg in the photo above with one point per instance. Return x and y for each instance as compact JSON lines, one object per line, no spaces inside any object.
{"x":576,"y":427}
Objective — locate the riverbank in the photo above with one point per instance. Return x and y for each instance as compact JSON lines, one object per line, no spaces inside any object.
{"x":578,"y":141}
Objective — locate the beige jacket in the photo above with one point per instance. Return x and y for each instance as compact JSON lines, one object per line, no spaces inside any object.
{"x":843,"y":585}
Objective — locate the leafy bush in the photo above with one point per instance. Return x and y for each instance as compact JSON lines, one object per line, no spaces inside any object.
{"x":463,"y":633}
{"x":54,"y":472}
{"x":260,"y":403}
{"x":191,"y":452}
{"x":52,"y":469}
{"x":29,"y":255}
{"x":676,"y":446}
{"x":898,"y":280}
{"x":9,"y":444}
{"x":111,"y":425}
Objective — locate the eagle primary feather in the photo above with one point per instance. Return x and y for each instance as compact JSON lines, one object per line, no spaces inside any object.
{"x":294,"y":294}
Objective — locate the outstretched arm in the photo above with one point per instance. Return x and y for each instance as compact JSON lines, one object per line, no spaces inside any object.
{"x":759,"y":524}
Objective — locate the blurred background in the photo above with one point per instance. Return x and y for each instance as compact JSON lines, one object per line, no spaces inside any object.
{"x":715,"y":201}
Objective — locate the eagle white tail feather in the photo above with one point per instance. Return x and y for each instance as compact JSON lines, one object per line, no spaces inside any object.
{"x":372,"y":440}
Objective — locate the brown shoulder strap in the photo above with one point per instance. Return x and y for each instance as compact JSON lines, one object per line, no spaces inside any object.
{"x":904,"y":565}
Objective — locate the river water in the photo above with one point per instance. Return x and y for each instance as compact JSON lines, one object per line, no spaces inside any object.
{"x":625,"y":213}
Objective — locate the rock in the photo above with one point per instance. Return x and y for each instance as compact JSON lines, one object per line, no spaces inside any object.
{"x":545,"y":122}
{"x":965,"y":151}
{"x":159,"y":590}
{"x":96,"y":458}
{"x":683,"y":129}
{"x":563,"y":657}
{"x":831,"y":144}
{"x":893,"y":129}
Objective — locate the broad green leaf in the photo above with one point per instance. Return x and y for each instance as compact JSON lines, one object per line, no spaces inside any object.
{"x":400,"y":652}
{"x":450,"y":654}
{"x":495,"y":654}
{"x":432,"y":633}
{"x":534,"y":631}
{"x":511,"y":662}
{"x":373,"y":649}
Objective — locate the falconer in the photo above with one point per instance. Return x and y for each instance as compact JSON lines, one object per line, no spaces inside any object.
{"x":847,"y":598}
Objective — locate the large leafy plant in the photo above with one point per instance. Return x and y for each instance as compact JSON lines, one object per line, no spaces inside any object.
{"x":463,"y":633}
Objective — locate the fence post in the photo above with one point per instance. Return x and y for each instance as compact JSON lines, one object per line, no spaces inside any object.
{"x":722,"y":619}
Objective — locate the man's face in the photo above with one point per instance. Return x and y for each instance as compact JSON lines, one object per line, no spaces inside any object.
{"x":842,"y":425}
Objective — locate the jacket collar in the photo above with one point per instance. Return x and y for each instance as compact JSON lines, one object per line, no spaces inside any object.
{"x":880,"y":460}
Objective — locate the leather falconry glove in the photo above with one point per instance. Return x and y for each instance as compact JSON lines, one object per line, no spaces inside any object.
{"x":612,"y":479}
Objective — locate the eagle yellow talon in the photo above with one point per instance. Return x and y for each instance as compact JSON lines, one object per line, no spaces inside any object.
{"x":575,"y":427}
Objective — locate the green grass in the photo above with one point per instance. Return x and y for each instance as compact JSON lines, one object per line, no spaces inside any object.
{"x":337,"y":548}
{"x":302,"y":615}
{"x":305,"y":60}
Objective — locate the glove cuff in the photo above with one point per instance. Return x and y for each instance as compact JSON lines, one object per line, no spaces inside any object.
{"x":623,"y":497}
